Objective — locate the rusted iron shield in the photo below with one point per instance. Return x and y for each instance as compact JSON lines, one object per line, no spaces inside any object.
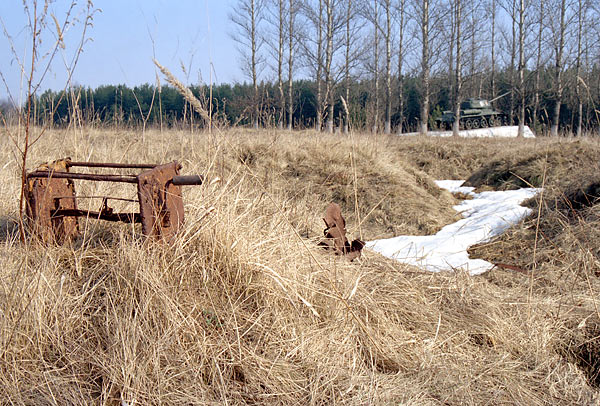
{"x":45,"y":196}
{"x":161,"y":205}
{"x":335,"y":233}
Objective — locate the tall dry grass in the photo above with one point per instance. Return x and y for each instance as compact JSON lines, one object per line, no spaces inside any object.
{"x":245,"y":309}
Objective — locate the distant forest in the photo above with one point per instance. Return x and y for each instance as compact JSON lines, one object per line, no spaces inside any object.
{"x":377,"y":65}
{"x":123,"y":106}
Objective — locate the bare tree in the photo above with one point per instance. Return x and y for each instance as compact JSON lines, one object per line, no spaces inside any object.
{"x":247,"y":16}
{"x":352,"y":24}
{"x":329,"y":11}
{"x":559,"y":33}
{"x":375,"y":127}
{"x":388,"y":67}
{"x":423,"y":15}
{"x":493,"y":9}
{"x":582,"y":7}
{"x":281,"y":37}
{"x":347,"y":65}
{"x":458,"y":78}
{"x":319,"y":122}
{"x":401,"y":52}
{"x":521,"y":68}
{"x":291,"y":33}
{"x":510,"y":7}
{"x":538,"y":63}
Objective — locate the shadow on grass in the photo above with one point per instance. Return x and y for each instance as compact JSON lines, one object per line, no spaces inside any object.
{"x":9,"y":228}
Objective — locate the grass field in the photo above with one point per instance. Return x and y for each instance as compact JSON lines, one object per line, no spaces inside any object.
{"x":244,"y":308}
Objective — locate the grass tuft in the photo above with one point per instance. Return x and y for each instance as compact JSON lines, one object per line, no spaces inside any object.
{"x":244,"y":308}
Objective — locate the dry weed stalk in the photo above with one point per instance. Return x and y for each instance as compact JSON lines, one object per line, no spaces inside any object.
{"x":184,"y":91}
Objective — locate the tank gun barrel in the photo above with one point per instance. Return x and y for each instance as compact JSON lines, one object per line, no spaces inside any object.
{"x":499,"y":97}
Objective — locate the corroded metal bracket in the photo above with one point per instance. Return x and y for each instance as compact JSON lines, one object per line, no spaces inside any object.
{"x":52,"y":202}
{"x":335,"y":234}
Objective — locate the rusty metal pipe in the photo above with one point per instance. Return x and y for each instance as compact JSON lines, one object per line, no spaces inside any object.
{"x":111,"y":165}
{"x":187,"y":180}
{"x":84,"y":176}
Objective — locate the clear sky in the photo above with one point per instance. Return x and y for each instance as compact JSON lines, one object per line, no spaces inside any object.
{"x":188,"y":32}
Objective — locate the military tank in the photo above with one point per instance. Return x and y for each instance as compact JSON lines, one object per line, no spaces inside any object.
{"x":474,"y":113}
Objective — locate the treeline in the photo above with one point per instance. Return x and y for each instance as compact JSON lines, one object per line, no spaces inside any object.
{"x":545,"y":54}
{"x":149,"y":105}
{"x":381,"y":66}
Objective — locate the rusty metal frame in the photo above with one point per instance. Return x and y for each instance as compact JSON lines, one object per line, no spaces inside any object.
{"x":335,"y":234}
{"x":52,"y":202}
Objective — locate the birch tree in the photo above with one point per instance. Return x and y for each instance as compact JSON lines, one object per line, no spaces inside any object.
{"x":388,"y":67}
{"x":329,"y":10}
{"x":281,"y":37}
{"x":538,"y":63}
{"x":401,"y":12}
{"x":247,"y":17}
{"x":347,"y":45}
{"x":493,"y":9}
{"x":510,"y":7}
{"x":315,"y":56}
{"x":375,"y":127}
{"x":291,"y":45}
{"x":458,"y":66}
{"x":582,"y":7}
{"x":521,"y":68}
{"x":559,"y":34}
{"x":422,"y":12}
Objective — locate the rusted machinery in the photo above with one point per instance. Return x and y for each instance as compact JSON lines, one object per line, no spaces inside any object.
{"x":52,"y":202}
{"x":335,"y":234}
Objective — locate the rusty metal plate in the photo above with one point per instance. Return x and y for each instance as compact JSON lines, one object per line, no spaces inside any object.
{"x":161,"y":205}
{"x":44,"y":196}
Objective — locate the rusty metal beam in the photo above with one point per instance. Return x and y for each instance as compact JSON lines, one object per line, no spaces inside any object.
{"x":122,"y":199}
{"x":124,"y":217}
{"x":111,"y":165}
{"x":84,"y":176}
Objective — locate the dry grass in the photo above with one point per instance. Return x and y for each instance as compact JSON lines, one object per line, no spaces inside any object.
{"x":245,"y":309}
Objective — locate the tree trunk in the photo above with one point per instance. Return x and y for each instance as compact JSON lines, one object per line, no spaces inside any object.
{"x":493,"y":44}
{"x":457,"y":79}
{"x":281,"y":118}
{"x":375,"y":128}
{"x":388,"y":70}
{"x":521,"y":68}
{"x":513,"y":47}
{"x":347,"y":68}
{"x":319,"y":122}
{"x":425,"y":67}
{"x":400,"y":66}
{"x":580,"y":22}
{"x":558,"y":70}
{"x":291,"y":11}
{"x":254,"y":74}
{"x":328,"y":62}
{"x":451,"y":56}
{"x":538,"y":67}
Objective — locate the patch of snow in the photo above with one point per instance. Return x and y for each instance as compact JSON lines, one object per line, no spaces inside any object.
{"x":490,"y":132}
{"x":455,"y":186}
{"x":485,"y":216}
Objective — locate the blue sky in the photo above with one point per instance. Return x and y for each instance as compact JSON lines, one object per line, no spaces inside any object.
{"x":188,"y":32}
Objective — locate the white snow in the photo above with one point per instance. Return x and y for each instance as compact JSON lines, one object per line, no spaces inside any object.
{"x":485,"y":216}
{"x":491,"y":132}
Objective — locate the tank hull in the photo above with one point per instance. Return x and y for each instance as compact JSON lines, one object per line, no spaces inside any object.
{"x":474,"y":113}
